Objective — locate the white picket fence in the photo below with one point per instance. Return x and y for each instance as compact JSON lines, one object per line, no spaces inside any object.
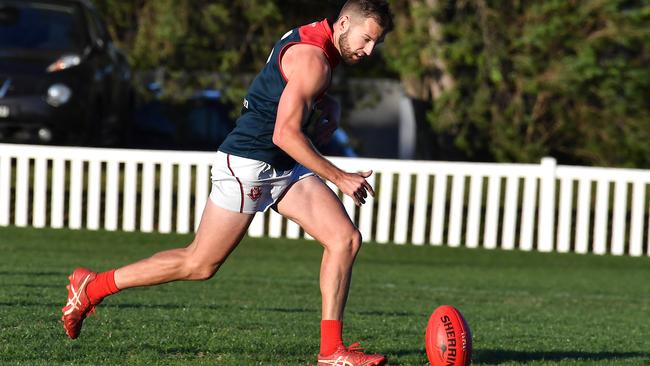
{"x":542,"y":207}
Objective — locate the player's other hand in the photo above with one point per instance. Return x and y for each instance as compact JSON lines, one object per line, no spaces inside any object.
{"x":325,"y":130}
{"x":329,"y":111}
{"x":356,"y":186}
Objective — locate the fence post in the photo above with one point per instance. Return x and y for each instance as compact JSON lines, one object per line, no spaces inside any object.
{"x":546,"y":223}
{"x":5,"y":186}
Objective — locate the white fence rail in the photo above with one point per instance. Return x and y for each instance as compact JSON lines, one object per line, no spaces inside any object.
{"x":541,"y":207}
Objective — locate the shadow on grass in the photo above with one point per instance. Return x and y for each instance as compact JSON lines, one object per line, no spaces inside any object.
{"x":166,"y":306}
{"x":489,"y":356}
{"x":116,"y":306}
{"x":172,"y":306}
{"x":29,"y":285}
{"x":20,"y":304}
{"x":34,"y":273}
{"x":169,"y":306}
{"x":403,"y":352}
{"x":385,"y":313}
{"x":235,"y":350}
{"x":287,"y":310}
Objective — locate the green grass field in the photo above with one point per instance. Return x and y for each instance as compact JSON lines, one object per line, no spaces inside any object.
{"x":263,"y":307}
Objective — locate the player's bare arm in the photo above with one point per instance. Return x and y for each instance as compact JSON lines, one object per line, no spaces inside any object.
{"x":308,"y":74}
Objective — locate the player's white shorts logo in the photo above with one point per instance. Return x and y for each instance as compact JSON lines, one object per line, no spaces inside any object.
{"x":248,"y":185}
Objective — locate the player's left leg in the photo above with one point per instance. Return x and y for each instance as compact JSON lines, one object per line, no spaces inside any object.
{"x":311,"y":204}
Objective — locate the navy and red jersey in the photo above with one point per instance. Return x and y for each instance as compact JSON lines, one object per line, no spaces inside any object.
{"x":252,"y":136}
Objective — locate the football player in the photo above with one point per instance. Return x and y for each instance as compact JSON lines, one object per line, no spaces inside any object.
{"x":269,"y":161}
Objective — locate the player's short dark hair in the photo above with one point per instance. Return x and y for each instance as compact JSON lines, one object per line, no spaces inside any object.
{"x":379,"y":10}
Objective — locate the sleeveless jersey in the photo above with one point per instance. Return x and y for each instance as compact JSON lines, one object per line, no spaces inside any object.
{"x":252,"y":136}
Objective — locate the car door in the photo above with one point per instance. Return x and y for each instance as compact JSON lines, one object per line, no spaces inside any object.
{"x":104,"y":88}
{"x":119,"y":77}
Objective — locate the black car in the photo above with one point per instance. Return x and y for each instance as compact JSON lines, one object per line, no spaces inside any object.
{"x":202,"y":122}
{"x":62,"y":80}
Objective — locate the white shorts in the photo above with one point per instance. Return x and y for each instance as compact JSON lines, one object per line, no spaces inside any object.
{"x":250,"y":186}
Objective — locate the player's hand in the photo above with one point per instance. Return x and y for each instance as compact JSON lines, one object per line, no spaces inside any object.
{"x":356,"y":186}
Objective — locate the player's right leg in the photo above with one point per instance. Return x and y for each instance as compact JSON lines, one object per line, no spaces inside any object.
{"x":218,"y":234}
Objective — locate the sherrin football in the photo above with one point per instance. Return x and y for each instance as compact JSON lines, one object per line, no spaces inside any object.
{"x":448,"y":338}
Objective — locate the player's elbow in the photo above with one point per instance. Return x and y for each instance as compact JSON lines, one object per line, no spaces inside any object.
{"x":278,"y":138}
{"x":282,"y":137}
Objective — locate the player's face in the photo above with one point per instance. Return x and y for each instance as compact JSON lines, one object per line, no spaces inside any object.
{"x":359,"y":40}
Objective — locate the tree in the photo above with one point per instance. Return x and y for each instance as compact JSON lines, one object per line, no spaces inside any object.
{"x":195,"y":44}
{"x":529,"y":79}
{"x":413,"y":50}
{"x":200,"y":43}
{"x":495,"y":80}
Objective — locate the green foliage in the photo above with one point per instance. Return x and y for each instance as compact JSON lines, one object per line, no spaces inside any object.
{"x":569,"y":79}
{"x":560,"y":78}
{"x":410,"y":46}
{"x":189,"y":42}
{"x":506,"y":80}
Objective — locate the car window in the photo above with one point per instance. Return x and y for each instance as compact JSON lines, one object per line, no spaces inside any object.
{"x":40,"y":25}
{"x":96,"y":27}
{"x":92,"y":27}
{"x":99,"y":25}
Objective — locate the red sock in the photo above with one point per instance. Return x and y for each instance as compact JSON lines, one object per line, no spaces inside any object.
{"x":102,"y":286}
{"x":330,"y":336}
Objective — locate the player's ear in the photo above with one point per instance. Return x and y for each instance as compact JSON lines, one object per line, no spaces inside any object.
{"x":343,"y":23}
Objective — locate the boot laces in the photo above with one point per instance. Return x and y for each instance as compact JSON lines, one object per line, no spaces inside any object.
{"x":355,"y":347}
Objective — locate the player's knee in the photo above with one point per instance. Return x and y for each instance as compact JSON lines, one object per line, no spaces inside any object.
{"x":199,"y":270}
{"x":356,"y":240}
{"x":205,"y":272}
{"x":349,"y":242}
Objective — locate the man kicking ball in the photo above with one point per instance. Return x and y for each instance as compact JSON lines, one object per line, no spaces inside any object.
{"x":268,"y":161}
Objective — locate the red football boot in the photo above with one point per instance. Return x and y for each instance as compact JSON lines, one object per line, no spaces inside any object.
{"x":78,"y":306}
{"x":351,"y":356}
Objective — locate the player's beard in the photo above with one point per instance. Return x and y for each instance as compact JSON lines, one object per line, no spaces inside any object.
{"x":346,"y":51}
